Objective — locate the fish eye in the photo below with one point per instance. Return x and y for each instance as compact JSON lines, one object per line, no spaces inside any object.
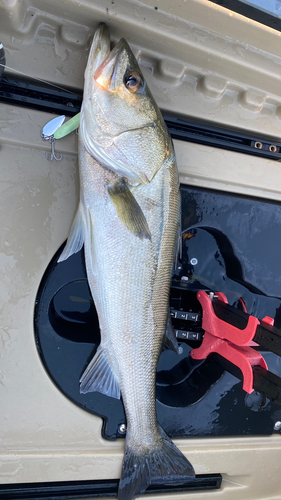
{"x":133,"y":82}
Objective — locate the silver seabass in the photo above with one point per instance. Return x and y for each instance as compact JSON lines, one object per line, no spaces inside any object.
{"x":128,"y":221}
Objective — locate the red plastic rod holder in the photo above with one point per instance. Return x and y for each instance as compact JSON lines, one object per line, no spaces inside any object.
{"x":228,"y":341}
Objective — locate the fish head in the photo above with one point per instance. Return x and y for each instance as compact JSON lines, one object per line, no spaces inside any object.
{"x":121,"y":124}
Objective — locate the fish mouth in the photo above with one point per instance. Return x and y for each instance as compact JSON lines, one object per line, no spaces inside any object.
{"x":100,"y":49}
{"x":102,"y":61}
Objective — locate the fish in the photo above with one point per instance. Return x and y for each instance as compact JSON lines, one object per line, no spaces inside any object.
{"x":128,"y":220}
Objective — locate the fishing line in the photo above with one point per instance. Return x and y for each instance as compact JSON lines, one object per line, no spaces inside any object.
{"x":38,"y":79}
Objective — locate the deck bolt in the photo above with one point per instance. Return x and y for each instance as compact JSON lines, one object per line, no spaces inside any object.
{"x":122,"y":428}
{"x":277,"y":425}
{"x":194,"y":261}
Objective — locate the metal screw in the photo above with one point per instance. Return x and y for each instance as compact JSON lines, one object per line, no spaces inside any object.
{"x":180,"y":349}
{"x":193,"y":261}
{"x":122,"y":428}
{"x":184,"y":278}
{"x":277,"y":425}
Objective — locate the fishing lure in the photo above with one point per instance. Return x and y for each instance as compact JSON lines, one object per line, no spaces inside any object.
{"x":57,"y":129}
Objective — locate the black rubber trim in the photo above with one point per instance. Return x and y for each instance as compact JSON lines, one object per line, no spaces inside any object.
{"x":251,"y":12}
{"x":66,"y":490}
{"x":267,"y":383}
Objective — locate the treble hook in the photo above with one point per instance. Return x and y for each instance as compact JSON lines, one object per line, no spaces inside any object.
{"x":52,"y":156}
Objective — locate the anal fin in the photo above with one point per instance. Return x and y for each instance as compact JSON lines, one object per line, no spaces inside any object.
{"x":98,"y":377}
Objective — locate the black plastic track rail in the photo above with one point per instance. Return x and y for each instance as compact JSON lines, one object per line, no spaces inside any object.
{"x":41,"y":97}
{"x":53,"y":100}
{"x":70,"y":490}
{"x":222,"y":138}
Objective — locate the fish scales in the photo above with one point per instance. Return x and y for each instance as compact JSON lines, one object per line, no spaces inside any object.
{"x":133,"y":317}
{"x":128,"y":220}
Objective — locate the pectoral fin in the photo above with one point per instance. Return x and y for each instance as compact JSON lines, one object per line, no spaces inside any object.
{"x":128,"y":209}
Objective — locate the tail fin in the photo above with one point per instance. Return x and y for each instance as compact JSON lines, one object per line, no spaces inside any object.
{"x":162,"y":465}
